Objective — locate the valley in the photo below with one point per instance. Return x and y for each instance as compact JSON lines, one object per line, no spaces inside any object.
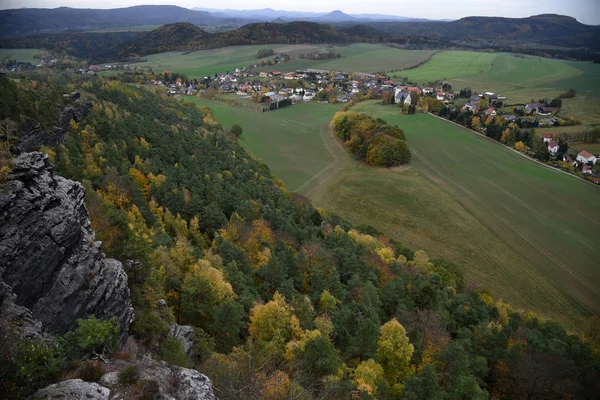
{"x":268,"y":204}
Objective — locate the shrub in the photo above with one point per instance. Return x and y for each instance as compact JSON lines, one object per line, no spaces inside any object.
{"x":129,"y":375}
{"x":93,"y":336}
{"x":91,"y":372}
{"x":147,"y":389}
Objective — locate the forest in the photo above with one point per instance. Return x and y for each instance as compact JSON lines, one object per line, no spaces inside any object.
{"x":372,"y":140}
{"x":286,"y":301}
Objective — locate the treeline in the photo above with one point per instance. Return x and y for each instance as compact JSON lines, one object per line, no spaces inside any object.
{"x":372,"y":140}
{"x":288,"y":301}
{"x":320,"y":55}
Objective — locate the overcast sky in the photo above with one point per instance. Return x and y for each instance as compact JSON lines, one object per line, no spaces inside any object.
{"x":586,"y":11}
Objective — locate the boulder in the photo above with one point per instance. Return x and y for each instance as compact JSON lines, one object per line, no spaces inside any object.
{"x":72,"y":389}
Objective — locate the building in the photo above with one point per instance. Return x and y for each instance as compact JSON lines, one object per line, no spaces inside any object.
{"x":586,"y":170}
{"x":586,"y":158}
{"x":547,"y":137}
{"x":402,"y":97}
{"x":552,"y":148}
{"x":490,"y":111}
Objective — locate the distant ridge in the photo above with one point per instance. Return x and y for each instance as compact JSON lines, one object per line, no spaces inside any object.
{"x":335,"y":16}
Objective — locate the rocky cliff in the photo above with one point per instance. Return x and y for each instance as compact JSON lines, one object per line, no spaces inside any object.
{"x":32,"y":136}
{"x":52,"y":272}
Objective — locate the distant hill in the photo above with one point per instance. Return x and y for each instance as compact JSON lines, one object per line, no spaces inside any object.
{"x":548,"y":29}
{"x":33,"y":20}
{"x":183,"y":36}
{"x":335,"y":16}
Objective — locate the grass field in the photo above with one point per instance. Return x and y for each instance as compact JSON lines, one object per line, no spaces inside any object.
{"x":450,"y":64}
{"x":133,"y":28}
{"x":288,"y":140}
{"x":521,"y":230}
{"x":202,"y":63}
{"x":21,"y":55}
{"x":362,"y":57}
{"x":593,"y":148}
{"x":524,"y":231}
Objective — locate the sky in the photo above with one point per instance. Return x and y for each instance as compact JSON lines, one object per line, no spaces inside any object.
{"x":585,"y":11}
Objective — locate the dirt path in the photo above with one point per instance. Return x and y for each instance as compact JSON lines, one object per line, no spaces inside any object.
{"x":340,"y":159}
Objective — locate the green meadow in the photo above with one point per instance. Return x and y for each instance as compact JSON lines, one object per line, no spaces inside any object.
{"x":519,"y":228}
{"x":289,"y":140}
{"x":522,"y":230}
{"x":21,"y":55}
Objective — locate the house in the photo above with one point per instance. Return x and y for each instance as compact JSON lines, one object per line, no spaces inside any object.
{"x":491,"y":97}
{"x":586,"y":157}
{"x":428,"y":90}
{"x":587,"y":169}
{"x":402,"y":97}
{"x":276,"y":73}
{"x":531,"y":107}
{"x":548,"y":110}
{"x":552,"y":148}
{"x":289,"y":76}
{"x":474,"y":108}
{"x":490,"y":111}
{"x":414,"y":90}
{"x":475,"y":99}
{"x":511,"y":118}
{"x":547,"y":137}
{"x":439,"y":97}
{"x":263,"y":74}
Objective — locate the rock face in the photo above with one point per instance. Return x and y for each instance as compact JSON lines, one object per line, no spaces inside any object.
{"x":32,"y":136}
{"x":72,"y":389}
{"x":50,"y":264}
{"x":185,"y":334}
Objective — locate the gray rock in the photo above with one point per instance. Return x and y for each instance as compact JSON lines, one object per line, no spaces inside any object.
{"x":176,"y":382}
{"x":185,"y":334}
{"x":73,"y":389}
{"x":110,"y":379}
{"x":49,"y":257}
{"x":32,"y":136}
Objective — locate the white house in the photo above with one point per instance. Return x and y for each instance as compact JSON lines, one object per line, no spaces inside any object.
{"x":552,"y":148}
{"x":402,"y":97}
{"x":547,"y":137}
{"x":586,"y":157}
{"x":439,"y":97}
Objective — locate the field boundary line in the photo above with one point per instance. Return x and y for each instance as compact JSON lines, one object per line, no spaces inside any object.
{"x":513,"y":150}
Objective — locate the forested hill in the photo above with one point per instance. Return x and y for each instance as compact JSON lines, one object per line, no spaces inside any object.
{"x":548,"y":29}
{"x":178,"y":36}
{"x":32,"y":20}
{"x":184,"y":36}
{"x":284,"y":300}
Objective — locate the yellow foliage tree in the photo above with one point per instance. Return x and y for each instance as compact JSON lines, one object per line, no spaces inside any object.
{"x":368,"y":375}
{"x":394,"y":353}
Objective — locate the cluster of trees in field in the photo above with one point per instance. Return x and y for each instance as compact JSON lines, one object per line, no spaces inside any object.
{"x":372,"y":140}
{"x":288,"y":301}
{"x":320,"y":55}
{"x":265,"y":53}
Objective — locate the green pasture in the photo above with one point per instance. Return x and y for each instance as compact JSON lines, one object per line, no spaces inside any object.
{"x":522,"y":230}
{"x":202,"y":63}
{"x":21,"y":55}
{"x":287,"y":140}
{"x":361,"y":57}
{"x":450,"y":64}
{"x":593,"y":148}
